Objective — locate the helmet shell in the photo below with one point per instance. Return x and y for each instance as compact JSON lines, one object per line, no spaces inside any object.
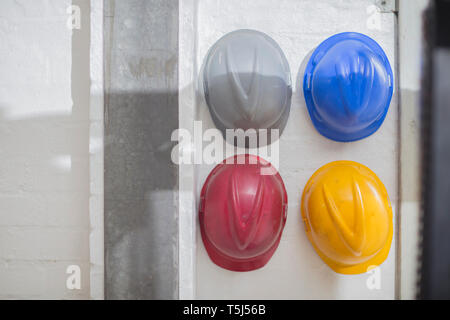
{"x":347,"y":216}
{"x":242,"y":213}
{"x":247,"y":82}
{"x":348,"y":86}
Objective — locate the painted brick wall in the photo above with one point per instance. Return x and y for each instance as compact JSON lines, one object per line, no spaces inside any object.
{"x":44,"y":149}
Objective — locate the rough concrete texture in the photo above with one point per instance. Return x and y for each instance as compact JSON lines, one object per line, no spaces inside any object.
{"x":44,"y":132}
{"x":141,"y":111}
{"x":295,"y":271}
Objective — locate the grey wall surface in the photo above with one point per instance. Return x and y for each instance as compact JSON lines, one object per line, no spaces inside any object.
{"x":141,"y":111}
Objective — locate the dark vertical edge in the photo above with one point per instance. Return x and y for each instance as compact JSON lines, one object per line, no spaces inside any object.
{"x":435,"y":256}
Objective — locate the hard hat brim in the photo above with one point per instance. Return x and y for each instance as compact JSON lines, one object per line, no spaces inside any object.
{"x":376,"y":260}
{"x":240,"y":265}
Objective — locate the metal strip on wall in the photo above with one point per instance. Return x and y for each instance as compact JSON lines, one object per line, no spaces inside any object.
{"x":141,"y":182}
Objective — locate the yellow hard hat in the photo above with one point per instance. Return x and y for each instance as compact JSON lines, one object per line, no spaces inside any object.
{"x":347,"y":216}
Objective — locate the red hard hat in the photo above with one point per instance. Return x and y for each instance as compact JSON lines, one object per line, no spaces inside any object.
{"x":242,"y":213}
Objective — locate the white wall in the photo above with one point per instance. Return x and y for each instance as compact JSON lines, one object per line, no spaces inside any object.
{"x":295,"y":270}
{"x":44,"y":150}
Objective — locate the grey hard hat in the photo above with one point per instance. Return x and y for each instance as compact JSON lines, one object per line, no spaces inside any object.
{"x":247,"y":83}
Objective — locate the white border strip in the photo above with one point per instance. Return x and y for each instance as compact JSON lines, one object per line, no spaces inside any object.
{"x":186,"y":104}
{"x":96,"y":176}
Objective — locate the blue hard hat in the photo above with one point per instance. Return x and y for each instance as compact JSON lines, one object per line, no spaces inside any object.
{"x":348,"y":86}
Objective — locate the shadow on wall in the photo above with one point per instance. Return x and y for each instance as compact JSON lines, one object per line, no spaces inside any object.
{"x":140,"y":195}
{"x":141,"y":182}
{"x":44,"y":151}
{"x":44,"y":187}
{"x":44,"y":180}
